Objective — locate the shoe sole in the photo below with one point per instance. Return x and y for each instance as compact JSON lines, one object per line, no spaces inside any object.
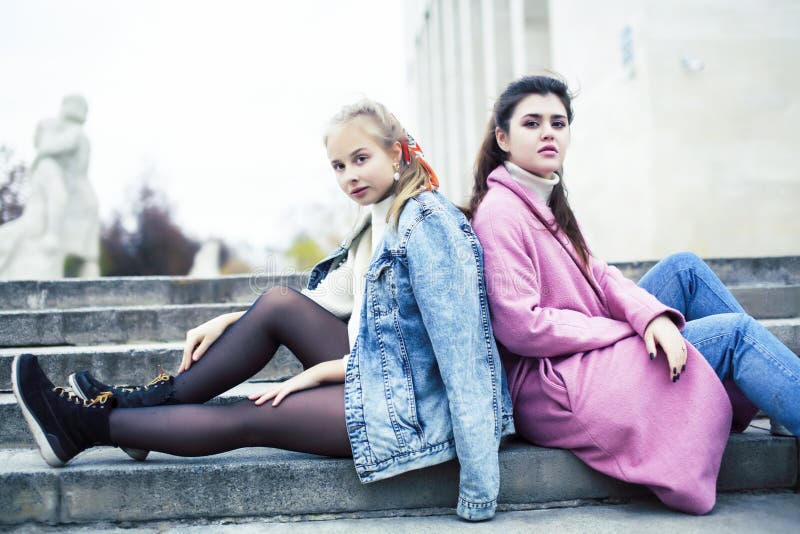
{"x":45,"y":448}
{"x":137,"y":454}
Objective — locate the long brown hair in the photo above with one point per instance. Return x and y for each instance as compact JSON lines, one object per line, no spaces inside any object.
{"x":387,"y":130}
{"x":491,"y":155}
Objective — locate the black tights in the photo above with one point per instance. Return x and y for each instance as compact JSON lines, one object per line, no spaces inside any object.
{"x":307,"y":421}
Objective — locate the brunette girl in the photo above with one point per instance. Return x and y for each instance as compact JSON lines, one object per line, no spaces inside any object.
{"x":629,"y":378}
{"x":420,"y":379}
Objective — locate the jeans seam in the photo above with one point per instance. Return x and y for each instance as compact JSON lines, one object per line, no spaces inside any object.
{"x":768,"y":356}
{"x":730,"y":310}
{"x":755,"y":345}
{"x":678,"y":272}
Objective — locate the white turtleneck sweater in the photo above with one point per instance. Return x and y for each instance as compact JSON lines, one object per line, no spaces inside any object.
{"x":365,"y":248}
{"x":543,"y":187}
{"x":341,"y":292}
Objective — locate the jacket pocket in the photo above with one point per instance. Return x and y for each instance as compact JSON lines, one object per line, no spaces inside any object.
{"x":381,"y":286}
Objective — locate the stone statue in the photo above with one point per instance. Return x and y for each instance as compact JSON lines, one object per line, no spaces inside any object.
{"x":61,"y":216}
{"x":206,"y":261}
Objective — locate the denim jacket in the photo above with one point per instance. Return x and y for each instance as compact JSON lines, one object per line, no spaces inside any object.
{"x":424,"y":382}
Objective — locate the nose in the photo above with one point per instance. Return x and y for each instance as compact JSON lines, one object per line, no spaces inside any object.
{"x":352,"y":176}
{"x":547,"y":132}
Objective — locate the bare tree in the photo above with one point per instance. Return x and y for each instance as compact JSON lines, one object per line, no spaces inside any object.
{"x":13,"y":174}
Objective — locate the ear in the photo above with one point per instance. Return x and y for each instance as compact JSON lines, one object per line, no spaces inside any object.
{"x":502,"y":139}
{"x":396,"y":152}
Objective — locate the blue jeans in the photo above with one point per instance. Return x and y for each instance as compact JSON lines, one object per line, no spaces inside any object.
{"x":735,"y":344}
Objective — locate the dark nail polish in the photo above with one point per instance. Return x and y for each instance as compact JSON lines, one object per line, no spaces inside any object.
{"x":674,"y":378}
{"x":683,"y":368}
{"x":678,"y":376}
{"x":652,"y":356}
{"x":674,"y":370}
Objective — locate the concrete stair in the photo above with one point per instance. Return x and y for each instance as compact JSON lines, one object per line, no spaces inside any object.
{"x":103,"y":485}
{"x":125,"y":328}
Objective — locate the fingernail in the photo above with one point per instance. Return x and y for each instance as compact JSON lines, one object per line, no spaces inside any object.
{"x":652,"y":356}
{"x":683,"y":368}
{"x":678,"y":376}
{"x":674,"y":370}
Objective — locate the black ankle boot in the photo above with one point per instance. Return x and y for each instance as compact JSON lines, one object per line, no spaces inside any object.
{"x":62,"y":424}
{"x":156,"y":392}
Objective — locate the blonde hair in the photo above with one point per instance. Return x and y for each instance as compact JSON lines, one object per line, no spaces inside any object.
{"x":387,"y":130}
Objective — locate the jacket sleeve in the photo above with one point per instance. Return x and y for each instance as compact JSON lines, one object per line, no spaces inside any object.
{"x":629,"y":302}
{"x":448,"y":289}
{"x":520,"y":323}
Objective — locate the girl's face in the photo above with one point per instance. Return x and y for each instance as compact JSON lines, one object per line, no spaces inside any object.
{"x":363,"y":168}
{"x":538,"y":135}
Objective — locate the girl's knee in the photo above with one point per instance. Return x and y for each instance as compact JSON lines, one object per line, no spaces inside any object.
{"x":277,"y":297}
{"x":685,"y":260}
{"x":732,"y":322}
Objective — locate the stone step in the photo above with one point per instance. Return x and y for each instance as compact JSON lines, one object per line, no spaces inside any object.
{"x":14,"y":432}
{"x":769,"y":302}
{"x":735,"y":513}
{"x":787,"y":330}
{"x":125,"y":364}
{"x":133,"y":364}
{"x":104,"y":485}
{"x":173,"y":290}
{"x":138,"y":291}
{"x":778,"y":270}
{"x":132,"y":324}
{"x":91,"y":326}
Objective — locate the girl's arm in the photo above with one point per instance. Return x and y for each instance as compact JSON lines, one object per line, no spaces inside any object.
{"x":198,"y":339}
{"x":326,"y":372}
{"x":629,"y":302}
{"x":520,"y":322}
{"x":658,"y":324}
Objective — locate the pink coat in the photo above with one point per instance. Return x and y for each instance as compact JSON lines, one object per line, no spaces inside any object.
{"x":579,"y":373}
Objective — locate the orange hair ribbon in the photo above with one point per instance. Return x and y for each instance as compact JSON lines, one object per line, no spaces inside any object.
{"x":410,"y":145}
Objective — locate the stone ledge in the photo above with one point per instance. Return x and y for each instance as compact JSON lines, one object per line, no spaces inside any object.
{"x":138,"y":324}
{"x":138,"y":290}
{"x":103,"y":485}
{"x":166,"y":290}
{"x":125,"y":364}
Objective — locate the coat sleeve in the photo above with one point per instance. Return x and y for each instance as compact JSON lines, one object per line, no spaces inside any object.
{"x":629,"y":302}
{"x":443,"y":267}
{"x":520,"y":323}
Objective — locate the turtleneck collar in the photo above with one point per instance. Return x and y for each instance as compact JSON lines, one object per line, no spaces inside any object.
{"x":378,"y":213}
{"x":542,"y":187}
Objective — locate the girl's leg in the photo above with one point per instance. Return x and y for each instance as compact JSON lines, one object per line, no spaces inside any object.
{"x":280,"y":316}
{"x":763,"y":368}
{"x":683,"y":281}
{"x":306,"y":421}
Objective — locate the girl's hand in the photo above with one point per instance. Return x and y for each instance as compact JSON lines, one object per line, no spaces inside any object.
{"x":662,"y":332}
{"x":304,"y":380}
{"x":200,"y":338}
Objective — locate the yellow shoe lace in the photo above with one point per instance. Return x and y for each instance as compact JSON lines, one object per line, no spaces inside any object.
{"x":71,"y":397}
{"x":101,"y":398}
{"x":162,"y":377}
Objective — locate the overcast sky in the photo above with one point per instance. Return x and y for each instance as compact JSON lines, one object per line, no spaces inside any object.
{"x":223,"y":104}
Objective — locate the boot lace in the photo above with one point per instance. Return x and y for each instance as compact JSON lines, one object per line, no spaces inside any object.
{"x":162,"y":377}
{"x":74,"y":399}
